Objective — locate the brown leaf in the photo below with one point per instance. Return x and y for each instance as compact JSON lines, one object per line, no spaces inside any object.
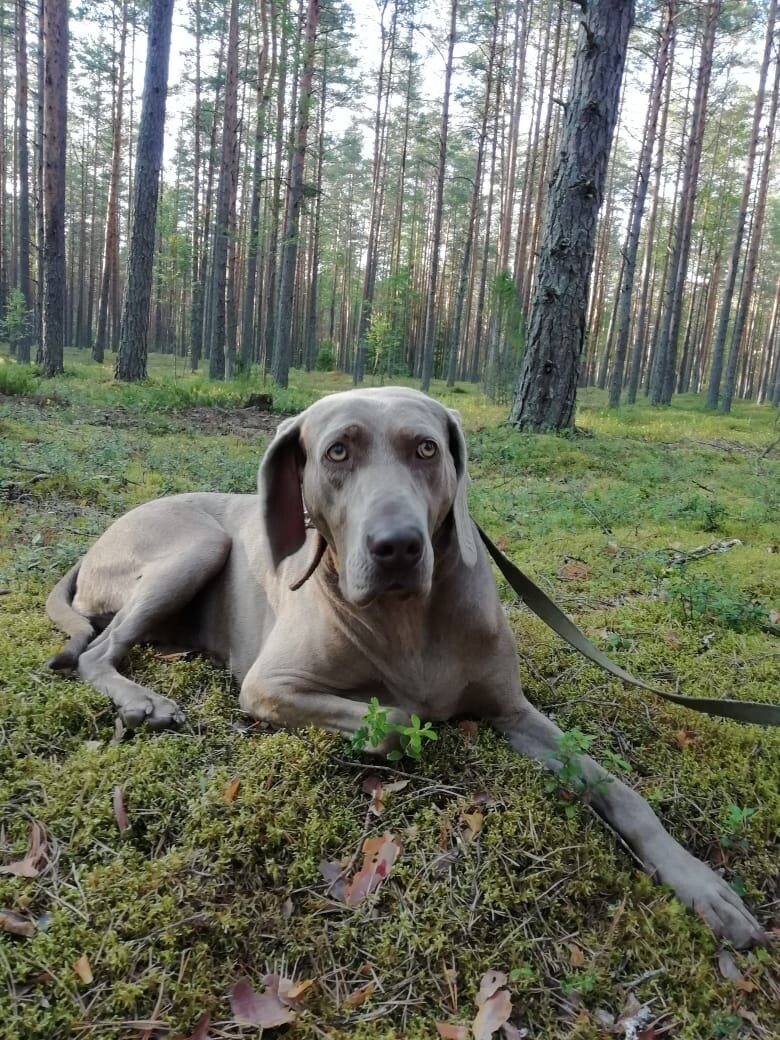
{"x":292,"y":991}
{"x":175,"y":656}
{"x":397,"y":785}
{"x":470,"y":729}
{"x":120,"y":815}
{"x":774,"y":617}
{"x":35,"y":856}
{"x":492,"y":1015}
{"x":15,"y":924}
{"x":230,"y":792}
{"x":471,"y":825}
{"x":259,"y":1009}
{"x":372,"y":785}
{"x":201,"y":1029}
{"x":333,"y":872}
{"x":451,"y":1032}
{"x":287,"y":909}
{"x":730,"y":971}
{"x":684,"y":737}
{"x":358,"y":997}
{"x":379,"y":855}
{"x":82,"y":969}
{"x":577,"y":955}
{"x":490,"y":983}
{"x":672,"y":639}
{"x":574,"y":570}
{"x":612,"y":548}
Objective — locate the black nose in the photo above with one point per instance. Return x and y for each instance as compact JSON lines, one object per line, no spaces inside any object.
{"x":398,"y":548}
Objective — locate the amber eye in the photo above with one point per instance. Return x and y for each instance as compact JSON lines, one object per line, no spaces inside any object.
{"x":427,"y":449}
{"x":337,"y":452}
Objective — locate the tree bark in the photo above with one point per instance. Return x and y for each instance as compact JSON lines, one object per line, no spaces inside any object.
{"x":727,"y":297}
{"x":282,"y":340}
{"x":111,"y":246}
{"x":430,"y":321}
{"x":546,"y":392}
{"x":55,"y":116}
{"x":23,"y":343}
{"x":221,"y":360}
{"x":751,"y":260}
{"x":635,"y":224}
{"x":132,"y":354}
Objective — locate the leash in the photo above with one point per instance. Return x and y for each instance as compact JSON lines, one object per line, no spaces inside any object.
{"x":552,"y":615}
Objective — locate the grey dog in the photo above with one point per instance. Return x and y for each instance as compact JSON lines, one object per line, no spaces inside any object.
{"x":387,"y":591}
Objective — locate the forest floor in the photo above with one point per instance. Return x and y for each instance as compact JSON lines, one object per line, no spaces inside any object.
{"x":167,"y":866}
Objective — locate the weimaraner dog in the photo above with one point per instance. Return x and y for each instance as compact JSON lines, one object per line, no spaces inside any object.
{"x":387,"y":592}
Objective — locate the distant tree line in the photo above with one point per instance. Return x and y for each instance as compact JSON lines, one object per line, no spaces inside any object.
{"x":410,"y":237}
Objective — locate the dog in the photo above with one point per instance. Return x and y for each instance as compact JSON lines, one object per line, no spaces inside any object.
{"x":385,"y":590}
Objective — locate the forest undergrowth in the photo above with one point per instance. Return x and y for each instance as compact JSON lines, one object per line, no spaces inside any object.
{"x":168,"y":866}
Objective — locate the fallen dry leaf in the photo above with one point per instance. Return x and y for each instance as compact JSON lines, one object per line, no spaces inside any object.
{"x":471,"y":825}
{"x":82,"y":968}
{"x":230,"y":792}
{"x":684,"y":737}
{"x":15,"y":924}
{"x":612,"y":548}
{"x":379,"y":855}
{"x":358,"y":997}
{"x":287,"y":909}
{"x":469,"y":728}
{"x":260,"y":1009}
{"x":201,"y":1029}
{"x":290,"y":991}
{"x":774,"y":617}
{"x":333,"y":872}
{"x":120,"y":814}
{"x":490,"y":983}
{"x":576,"y":954}
{"x":730,"y":971}
{"x":35,"y":856}
{"x":574,"y":570}
{"x":492,"y":1015}
{"x":450,"y":1032}
{"x":672,"y":639}
{"x":372,"y":785}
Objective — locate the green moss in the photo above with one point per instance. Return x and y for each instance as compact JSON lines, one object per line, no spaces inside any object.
{"x":194,"y":893}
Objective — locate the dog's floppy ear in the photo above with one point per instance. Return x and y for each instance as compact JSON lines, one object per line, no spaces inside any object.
{"x":464,"y":525}
{"x":281,"y":502}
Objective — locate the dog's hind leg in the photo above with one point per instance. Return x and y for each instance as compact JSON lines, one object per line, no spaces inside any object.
{"x":59,"y":607}
{"x":163,"y":588}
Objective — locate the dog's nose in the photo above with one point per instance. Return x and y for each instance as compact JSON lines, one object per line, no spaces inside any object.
{"x":396,"y":549}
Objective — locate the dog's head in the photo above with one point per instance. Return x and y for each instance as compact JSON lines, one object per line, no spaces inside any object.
{"x":382,"y":474}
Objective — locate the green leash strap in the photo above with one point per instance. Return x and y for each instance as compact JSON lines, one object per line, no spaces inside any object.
{"x":552,"y":615}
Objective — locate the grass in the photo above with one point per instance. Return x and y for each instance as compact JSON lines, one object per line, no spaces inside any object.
{"x":201,"y":889}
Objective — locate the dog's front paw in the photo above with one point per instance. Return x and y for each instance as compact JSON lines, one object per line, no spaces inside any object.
{"x":700,"y":888}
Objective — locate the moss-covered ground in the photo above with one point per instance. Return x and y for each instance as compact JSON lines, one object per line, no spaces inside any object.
{"x":200,"y":889}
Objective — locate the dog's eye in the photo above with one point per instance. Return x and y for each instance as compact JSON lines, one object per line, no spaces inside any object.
{"x":427,"y":449}
{"x":337,"y":452}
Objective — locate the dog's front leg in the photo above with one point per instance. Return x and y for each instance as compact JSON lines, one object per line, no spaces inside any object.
{"x":532,"y":733}
{"x":289,"y":697}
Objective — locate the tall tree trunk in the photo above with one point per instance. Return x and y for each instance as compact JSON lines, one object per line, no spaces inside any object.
{"x":476,"y":195}
{"x":282,"y":341}
{"x":751,"y":260}
{"x":23,"y":344}
{"x":631,"y":246}
{"x":111,"y":246}
{"x":220,"y":360}
{"x":727,"y":296}
{"x":547,"y":384}
{"x":133,"y":330}
{"x":662,"y":378}
{"x":55,"y":116}
{"x":249,"y":332}
{"x":429,"y":341}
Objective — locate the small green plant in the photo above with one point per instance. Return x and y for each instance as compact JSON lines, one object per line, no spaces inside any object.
{"x":582,"y":983}
{"x":326,"y":358}
{"x":525,"y":973}
{"x":703,"y":597}
{"x":735,"y":822}
{"x":377,"y":726}
{"x":570,"y":782}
